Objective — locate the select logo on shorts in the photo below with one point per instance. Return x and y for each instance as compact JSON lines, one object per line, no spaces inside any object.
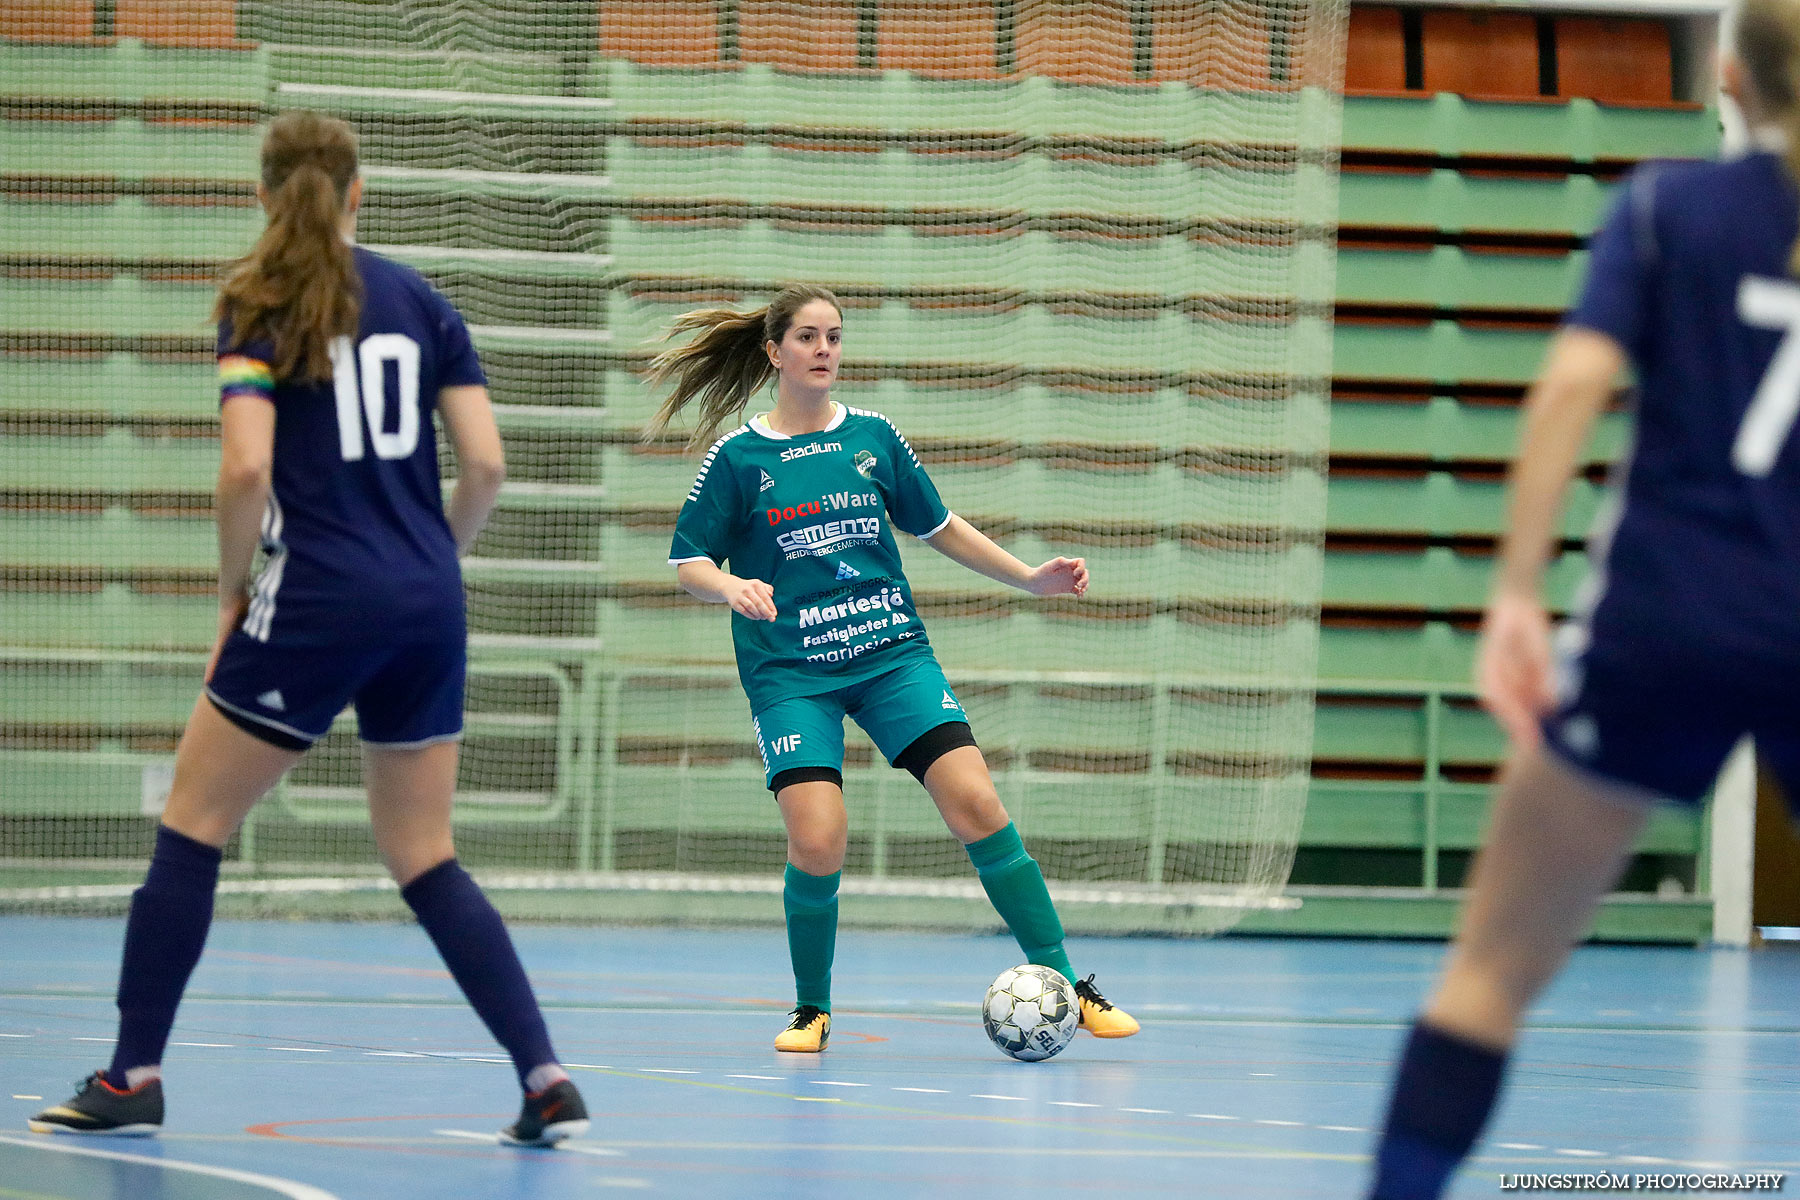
{"x":815,"y":448}
{"x":950,"y":701}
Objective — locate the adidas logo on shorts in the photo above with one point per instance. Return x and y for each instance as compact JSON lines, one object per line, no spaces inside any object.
{"x":846,"y":571}
{"x":271,"y":699}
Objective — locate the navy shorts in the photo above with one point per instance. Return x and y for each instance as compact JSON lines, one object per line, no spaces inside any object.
{"x":407,"y":694}
{"x":1658,"y":715}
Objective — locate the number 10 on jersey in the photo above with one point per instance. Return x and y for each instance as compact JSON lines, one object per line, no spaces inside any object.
{"x":359,"y":376}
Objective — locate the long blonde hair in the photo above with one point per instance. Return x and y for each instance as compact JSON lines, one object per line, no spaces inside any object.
{"x":298,"y":286}
{"x":725,"y":365}
{"x":1767,"y":43}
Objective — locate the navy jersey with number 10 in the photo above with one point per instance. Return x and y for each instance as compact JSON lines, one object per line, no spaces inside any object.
{"x":1689,"y":275}
{"x":355,"y":533}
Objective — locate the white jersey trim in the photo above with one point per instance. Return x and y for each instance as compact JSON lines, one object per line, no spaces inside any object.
{"x":760,"y":424}
{"x":676,"y":562}
{"x":706,"y":462}
{"x":258,"y":717}
{"x":261,"y":615}
{"x":901,"y":437}
{"x":936,"y":529}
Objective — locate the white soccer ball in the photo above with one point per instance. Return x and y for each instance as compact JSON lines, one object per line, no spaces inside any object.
{"x":1031,"y":1012}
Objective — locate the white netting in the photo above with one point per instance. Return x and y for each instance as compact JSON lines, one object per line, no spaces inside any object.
{"x":1085,"y":251}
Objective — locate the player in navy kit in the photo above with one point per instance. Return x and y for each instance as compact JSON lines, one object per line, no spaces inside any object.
{"x":1687,"y":633}
{"x":332,"y":361}
{"x":800,"y":500}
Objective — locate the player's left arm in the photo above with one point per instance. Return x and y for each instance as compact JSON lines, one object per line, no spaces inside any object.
{"x":962,"y":543}
{"x":246,"y":463}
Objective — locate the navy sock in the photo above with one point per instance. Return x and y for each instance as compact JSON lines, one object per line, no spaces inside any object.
{"x":164,"y":935}
{"x":473,"y":942}
{"x":1444,"y":1092}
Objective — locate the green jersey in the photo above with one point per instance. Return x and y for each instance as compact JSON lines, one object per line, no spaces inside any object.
{"x":810,"y":516}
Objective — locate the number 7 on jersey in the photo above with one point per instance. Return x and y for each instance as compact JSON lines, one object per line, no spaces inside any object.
{"x":1769,"y":304}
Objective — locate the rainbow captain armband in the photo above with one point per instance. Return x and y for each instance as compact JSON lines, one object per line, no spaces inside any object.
{"x":243,"y":376}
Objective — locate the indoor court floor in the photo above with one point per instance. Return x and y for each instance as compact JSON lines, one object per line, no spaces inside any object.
{"x":337,"y":1060}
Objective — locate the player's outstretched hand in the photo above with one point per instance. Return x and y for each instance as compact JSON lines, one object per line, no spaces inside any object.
{"x":1512,"y":666}
{"x":1059,"y":577}
{"x":752,"y":598}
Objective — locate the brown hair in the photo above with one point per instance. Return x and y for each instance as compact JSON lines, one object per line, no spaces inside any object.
{"x":298,"y":286}
{"x":725,"y":365}
{"x":1768,"y":46}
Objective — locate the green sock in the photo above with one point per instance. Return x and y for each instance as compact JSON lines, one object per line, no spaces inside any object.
{"x":1016,"y":887}
{"x":812,"y":911}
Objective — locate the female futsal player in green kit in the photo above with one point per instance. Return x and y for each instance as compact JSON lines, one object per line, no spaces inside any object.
{"x":799,"y":501}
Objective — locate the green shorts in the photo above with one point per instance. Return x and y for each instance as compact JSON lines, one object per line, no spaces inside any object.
{"x":894,"y":708}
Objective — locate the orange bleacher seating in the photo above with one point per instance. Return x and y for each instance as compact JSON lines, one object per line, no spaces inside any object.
{"x":201,"y":23}
{"x":1376,"y":61}
{"x":47,"y":20}
{"x":1080,"y":41}
{"x":1614,"y":60}
{"x":1193,"y":46}
{"x":661,"y":33}
{"x":798,"y":35}
{"x":1489,"y":56}
{"x":945,"y":40}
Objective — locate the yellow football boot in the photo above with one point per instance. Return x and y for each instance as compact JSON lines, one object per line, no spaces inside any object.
{"x":807,"y":1033}
{"x":1098,"y":1016}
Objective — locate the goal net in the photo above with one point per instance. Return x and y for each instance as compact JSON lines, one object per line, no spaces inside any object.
{"x":1085,"y":250}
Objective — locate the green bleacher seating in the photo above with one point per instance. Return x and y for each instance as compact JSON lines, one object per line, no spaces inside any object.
{"x":1435,"y":579}
{"x":1448,"y":200}
{"x":126,"y":227}
{"x":132,"y":71}
{"x":1438,"y":504}
{"x":1447,"y":277}
{"x":1436,"y":352}
{"x":1445,"y":429}
{"x":1578,"y":131}
{"x":132,"y":149}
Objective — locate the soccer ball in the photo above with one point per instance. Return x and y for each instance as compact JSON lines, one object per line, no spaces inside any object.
{"x":1031,"y":1012}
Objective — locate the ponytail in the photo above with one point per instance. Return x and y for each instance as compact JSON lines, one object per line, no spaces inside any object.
{"x":726,"y":364}
{"x":298,"y":286}
{"x":724,"y":367}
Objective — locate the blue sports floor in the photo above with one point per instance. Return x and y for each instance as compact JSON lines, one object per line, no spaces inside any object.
{"x":319,"y":1060}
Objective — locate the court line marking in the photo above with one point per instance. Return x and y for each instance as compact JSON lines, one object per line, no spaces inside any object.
{"x":1568,"y":1152}
{"x":286,"y":1187}
{"x":563,"y":1147}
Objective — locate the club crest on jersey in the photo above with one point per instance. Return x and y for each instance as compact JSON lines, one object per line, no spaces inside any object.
{"x":865,"y":463}
{"x":846,"y":571}
{"x":768,"y":481}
